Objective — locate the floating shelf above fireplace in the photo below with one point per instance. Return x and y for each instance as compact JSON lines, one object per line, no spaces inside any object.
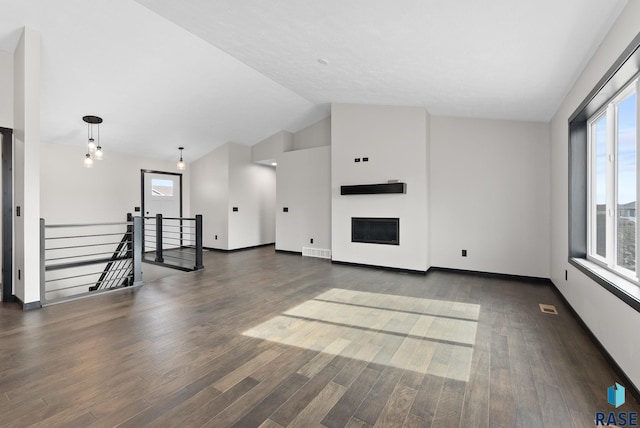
{"x":373,"y":189}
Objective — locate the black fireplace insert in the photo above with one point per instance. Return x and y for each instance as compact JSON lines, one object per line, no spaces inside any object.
{"x":375,"y":230}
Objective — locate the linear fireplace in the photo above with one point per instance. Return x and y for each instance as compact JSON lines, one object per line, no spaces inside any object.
{"x":375,"y":230}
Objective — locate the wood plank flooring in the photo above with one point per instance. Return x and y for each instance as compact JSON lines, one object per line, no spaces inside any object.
{"x":278,"y":340}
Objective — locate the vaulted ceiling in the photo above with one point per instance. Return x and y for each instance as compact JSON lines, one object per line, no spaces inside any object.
{"x":200,"y":73}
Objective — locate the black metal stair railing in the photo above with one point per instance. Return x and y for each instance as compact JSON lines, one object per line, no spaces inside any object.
{"x":70,"y":254}
{"x":173,"y":242}
{"x":119,"y":271}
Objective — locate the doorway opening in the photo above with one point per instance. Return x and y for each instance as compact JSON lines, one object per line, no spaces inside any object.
{"x":168,"y":238}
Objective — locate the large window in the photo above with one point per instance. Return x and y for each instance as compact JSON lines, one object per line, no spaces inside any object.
{"x":604,"y":179}
{"x":613,"y":177}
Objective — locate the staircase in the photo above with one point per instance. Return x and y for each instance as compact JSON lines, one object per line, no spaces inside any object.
{"x":119,"y":271}
{"x":79,"y":259}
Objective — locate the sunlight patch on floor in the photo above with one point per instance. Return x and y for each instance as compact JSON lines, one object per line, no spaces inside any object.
{"x":423,"y":335}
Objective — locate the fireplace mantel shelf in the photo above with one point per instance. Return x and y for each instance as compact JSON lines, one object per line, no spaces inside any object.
{"x":373,"y":189}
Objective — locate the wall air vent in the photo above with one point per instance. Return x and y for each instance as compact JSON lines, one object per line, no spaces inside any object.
{"x":373,"y":189}
{"x":316,"y":252}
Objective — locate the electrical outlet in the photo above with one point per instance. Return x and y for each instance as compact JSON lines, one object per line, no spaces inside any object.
{"x":566,"y":275}
{"x":356,"y":160}
{"x":365,"y":159}
{"x":216,"y":237}
{"x":464,"y":253}
{"x":311,"y":241}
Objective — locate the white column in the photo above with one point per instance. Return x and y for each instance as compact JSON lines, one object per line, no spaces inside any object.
{"x":27,"y":167}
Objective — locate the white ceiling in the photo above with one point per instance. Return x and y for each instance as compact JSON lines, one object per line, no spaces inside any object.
{"x":240,"y":71}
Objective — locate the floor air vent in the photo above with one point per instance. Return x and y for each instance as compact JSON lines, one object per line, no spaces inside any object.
{"x":316,"y":252}
{"x":548,"y":309}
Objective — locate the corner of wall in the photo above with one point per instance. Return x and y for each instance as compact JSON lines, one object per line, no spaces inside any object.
{"x":269,"y":148}
{"x":287,"y":141}
{"x":315,"y":135}
{"x":428,"y":177}
{"x":209,"y":180}
{"x":251,"y":191}
{"x":26,"y":104}
{"x":6,"y":89}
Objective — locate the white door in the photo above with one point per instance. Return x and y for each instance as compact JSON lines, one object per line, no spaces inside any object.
{"x":162,"y":195}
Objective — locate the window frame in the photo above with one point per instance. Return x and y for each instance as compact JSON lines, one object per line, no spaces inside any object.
{"x":592,"y":233}
{"x":617,"y":78}
{"x":610,"y":112}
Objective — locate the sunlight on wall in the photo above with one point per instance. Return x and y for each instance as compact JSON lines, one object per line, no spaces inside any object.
{"x":423,"y":335}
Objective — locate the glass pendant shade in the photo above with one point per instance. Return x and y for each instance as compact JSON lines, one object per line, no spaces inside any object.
{"x":88,"y":161}
{"x":181,"y":165}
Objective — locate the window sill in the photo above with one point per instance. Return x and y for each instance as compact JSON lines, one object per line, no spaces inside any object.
{"x":625,"y":290}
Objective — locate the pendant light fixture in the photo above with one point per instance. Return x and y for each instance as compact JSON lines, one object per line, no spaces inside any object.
{"x":94,"y":150}
{"x":88,"y":161}
{"x":180,"y":165}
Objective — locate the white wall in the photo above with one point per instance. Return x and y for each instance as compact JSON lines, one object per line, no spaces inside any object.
{"x":614,"y":323}
{"x":395,"y":141}
{"x":490,"y":195}
{"x":304,"y":186}
{"x":6,"y":89}
{"x":26,"y":166}
{"x":316,"y":135}
{"x":226,"y":178}
{"x":71,"y":193}
{"x":252,"y":188}
{"x":210,"y":196}
{"x":269,"y":148}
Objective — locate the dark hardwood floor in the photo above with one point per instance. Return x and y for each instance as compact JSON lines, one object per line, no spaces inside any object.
{"x":274,"y":340}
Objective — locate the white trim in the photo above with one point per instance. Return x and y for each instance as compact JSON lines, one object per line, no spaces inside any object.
{"x":637,"y":88}
{"x":610,"y":111}
{"x":592,"y":200}
{"x":611,"y":186}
